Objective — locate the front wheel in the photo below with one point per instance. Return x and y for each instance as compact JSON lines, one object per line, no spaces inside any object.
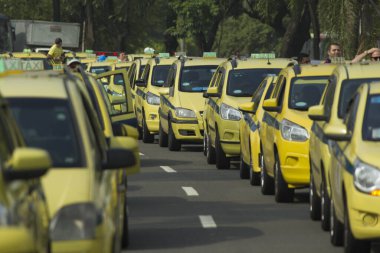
{"x":244,"y":169}
{"x":282,"y":192}
{"x":147,"y":137}
{"x":254,"y":177}
{"x":325,"y":206}
{"x":210,"y":152}
{"x":173,"y":143}
{"x":162,"y":137}
{"x":222,"y":161}
{"x":266,"y":182}
{"x":336,"y":228}
{"x":314,"y":200}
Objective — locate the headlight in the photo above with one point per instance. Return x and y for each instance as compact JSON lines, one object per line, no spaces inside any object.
{"x":366,"y":178}
{"x":293,"y":132}
{"x":152,"y":99}
{"x":184,"y":113}
{"x":229,"y":113}
{"x":74,"y":222}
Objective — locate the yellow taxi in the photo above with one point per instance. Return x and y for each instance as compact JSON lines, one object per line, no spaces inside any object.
{"x":134,"y":73}
{"x":147,"y":100}
{"x":345,"y":80}
{"x":182,"y":102}
{"x":30,"y":60}
{"x":112,"y":128}
{"x":55,"y":114}
{"x":250,"y":140}
{"x":285,"y":129}
{"x":234,"y":83}
{"x":355,"y":171}
{"x":24,"y":217}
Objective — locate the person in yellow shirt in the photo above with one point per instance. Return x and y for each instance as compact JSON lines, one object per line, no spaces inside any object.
{"x":55,"y":54}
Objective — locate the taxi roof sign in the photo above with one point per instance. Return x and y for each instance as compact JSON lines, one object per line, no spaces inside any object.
{"x":209,"y":54}
{"x":18,"y":64}
{"x":177,"y":54}
{"x":89,"y":51}
{"x":263,"y":56}
{"x":164,"y":55}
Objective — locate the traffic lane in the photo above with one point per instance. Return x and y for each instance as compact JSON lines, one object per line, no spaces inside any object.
{"x":164,"y":218}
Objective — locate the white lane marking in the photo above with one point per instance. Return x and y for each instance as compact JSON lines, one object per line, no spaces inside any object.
{"x":168,"y":169}
{"x":141,"y":154}
{"x":207,"y":221}
{"x":190,"y":191}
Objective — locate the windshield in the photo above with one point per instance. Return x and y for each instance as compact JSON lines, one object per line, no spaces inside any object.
{"x":371,"y":124}
{"x":196,"y":78}
{"x":347,"y":91}
{"x":160,"y":73}
{"x":99,"y":69}
{"x":47,"y":124}
{"x":306,"y":91}
{"x":244,"y":82}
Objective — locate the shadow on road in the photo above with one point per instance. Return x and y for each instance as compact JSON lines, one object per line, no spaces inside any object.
{"x":161,"y":162}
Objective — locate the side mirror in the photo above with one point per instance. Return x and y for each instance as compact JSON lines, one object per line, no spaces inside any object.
{"x":120,"y":129}
{"x":336,"y":132}
{"x":164,"y":91}
{"x":205,"y":95}
{"x":140,"y":83}
{"x":131,"y":145}
{"x":317,"y":113}
{"x":119,"y":158}
{"x":271,"y":105}
{"x":213,"y":92}
{"x":247,"y":107}
{"x":27,"y":163}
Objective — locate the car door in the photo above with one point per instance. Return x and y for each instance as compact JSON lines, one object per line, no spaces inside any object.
{"x":165,"y":103}
{"x":214,"y":103}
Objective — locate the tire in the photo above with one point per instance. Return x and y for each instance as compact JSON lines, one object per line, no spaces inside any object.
{"x":244,"y":169}
{"x":205,"y":144}
{"x":283,"y":194}
{"x":222,"y":162}
{"x":254,"y":177}
{"x":147,"y":137}
{"x":162,"y":137}
{"x":125,"y":231}
{"x":351,"y":244}
{"x":211,"y":156}
{"x":173,"y":143}
{"x":325,"y":206}
{"x":336,"y":228}
{"x":314,"y":200}
{"x":266,"y":182}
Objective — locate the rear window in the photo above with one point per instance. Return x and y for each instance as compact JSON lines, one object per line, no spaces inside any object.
{"x":244,"y":82}
{"x":371,"y":124}
{"x":48,"y":124}
{"x":99,"y":69}
{"x":196,"y":78}
{"x":160,"y":73}
{"x":306,"y":92}
{"x":347,"y":90}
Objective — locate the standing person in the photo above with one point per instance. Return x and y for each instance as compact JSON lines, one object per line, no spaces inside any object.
{"x":333,"y":50}
{"x":55,"y":54}
{"x":374,"y":54}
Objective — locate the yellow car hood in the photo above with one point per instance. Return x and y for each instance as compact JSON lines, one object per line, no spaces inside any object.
{"x":300,"y":118}
{"x":66,"y":186}
{"x":192,"y":100}
{"x":368,"y":152}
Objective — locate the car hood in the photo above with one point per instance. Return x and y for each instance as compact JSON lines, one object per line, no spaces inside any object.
{"x":368,"y":152}
{"x":66,"y":186}
{"x":193,"y":101}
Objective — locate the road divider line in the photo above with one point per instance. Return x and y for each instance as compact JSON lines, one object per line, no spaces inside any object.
{"x":190,"y":191}
{"x":207,"y":221}
{"x":168,"y":169}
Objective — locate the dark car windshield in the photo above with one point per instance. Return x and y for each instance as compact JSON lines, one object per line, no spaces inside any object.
{"x":160,"y":73}
{"x":347,"y":91}
{"x":306,"y":91}
{"x":99,"y":69}
{"x":244,"y":82}
{"x":48,"y":124}
{"x":196,"y":78}
{"x":371,"y":124}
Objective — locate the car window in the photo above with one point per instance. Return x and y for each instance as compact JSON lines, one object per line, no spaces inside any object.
{"x":328,"y":99}
{"x":306,"y":91}
{"x":48,"y":124}
{"x":371,"y":124}
{"x":145,"y":73}
{"x":99,"y":69}
{"x":142,"y":67}
{"x":196,"y":78}
{"x":351,"y":113}
{"x":6,"y":145}
{"x":160,"y":74}
{"x":244,"y":82}
{"x":347,"y":90}
{"x":220,"y":80}
{"x":119,"y":79}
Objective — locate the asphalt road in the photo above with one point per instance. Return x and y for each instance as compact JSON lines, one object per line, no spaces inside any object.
{"x":190,"y":206}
